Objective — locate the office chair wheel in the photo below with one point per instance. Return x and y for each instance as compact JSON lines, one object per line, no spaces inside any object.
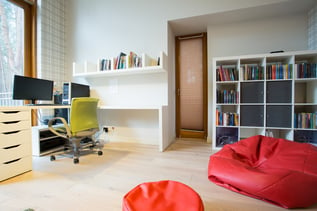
{"x":76,"y":160}
{"x":52,"y":158}
{"x":100,"y":153}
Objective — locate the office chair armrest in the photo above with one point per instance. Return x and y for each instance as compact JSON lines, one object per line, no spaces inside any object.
{"x":55,"y":131}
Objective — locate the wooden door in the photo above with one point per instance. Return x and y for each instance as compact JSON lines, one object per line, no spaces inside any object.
{"x":191,"y":86}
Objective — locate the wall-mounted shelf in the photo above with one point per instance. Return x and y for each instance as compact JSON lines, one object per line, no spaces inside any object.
{"x":90,"y":70}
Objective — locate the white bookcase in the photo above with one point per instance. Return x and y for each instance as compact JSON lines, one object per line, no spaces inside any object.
{"x":266,"y":94}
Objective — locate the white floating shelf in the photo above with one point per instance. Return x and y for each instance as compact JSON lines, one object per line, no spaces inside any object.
{"x":89,"y":70}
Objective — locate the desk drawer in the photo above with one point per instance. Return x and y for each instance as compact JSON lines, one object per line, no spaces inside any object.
{"x":13,"y":115}
{"x":9,"y":126}
{"x":8,"y":154}
{"x":15,"y":167}
{"x":15,"y":137}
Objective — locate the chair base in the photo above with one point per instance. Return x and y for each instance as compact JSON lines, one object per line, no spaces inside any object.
{"x":75,"y":149}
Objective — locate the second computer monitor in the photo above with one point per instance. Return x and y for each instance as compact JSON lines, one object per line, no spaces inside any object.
{"x":72,"y":90}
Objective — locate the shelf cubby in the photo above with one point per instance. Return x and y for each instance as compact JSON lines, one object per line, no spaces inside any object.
{"x":306,"y":91}
{"x":279,"y":91}
{"x":227,"y":115}
{"x":227,"y":93}
{"x":306,"y":136}
{"x":252,"y":92}
{"x":306,"y":66}
{"x":246,"y":132}
{"x":226,"y":135}
{"x":279,"y":133}
{"x":252,"y":115}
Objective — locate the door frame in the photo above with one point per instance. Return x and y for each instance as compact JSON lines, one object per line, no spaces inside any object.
{"x":188,"y":133}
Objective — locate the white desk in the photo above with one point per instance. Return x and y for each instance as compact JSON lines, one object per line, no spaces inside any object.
{"x":163,"y":141}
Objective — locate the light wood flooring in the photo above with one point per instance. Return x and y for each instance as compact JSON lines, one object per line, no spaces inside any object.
{"x":100,"y":182}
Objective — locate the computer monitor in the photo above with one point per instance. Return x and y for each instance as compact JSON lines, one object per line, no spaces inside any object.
{"x":27,"y":88}
{"x":72,"y":90}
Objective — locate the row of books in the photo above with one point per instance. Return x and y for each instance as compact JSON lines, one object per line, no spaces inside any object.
{"x":252,"y":72}
{"x":306,"y":70}
{"x":279,"y":71}
{"x":123,"y":61}
{"x":106,"y":64}
{"x":226,"y":118}
{"x":227,"y":96}
{"x":226,"y":74}
{"x":273,"y":71}
{"x":305,"y":120}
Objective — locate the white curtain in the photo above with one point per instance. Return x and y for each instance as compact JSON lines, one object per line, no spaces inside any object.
{"x":312,"y":28}
{"x":51,"y":47}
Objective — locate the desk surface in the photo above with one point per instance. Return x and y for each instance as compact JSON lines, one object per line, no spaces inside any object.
{"x":46,"y":106}
{"x":154,"y":107}
{"x":141,"y":107}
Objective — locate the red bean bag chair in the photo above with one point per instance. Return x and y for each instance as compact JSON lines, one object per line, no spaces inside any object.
{"x":274,"y":170}
{"x":162,"y":195}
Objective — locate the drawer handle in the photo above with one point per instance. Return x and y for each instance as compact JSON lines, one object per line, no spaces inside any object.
{"x":11,"y":122}
{"x":10,"y":112}
{"x":12,"y":161}
{"x":11,"y":132}
{"x":14,"y":146}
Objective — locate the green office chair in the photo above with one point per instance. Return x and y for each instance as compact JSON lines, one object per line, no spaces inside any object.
{"x":83,"y":124}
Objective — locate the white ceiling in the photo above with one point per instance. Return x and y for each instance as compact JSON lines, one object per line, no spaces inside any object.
{"x":199,"y":23}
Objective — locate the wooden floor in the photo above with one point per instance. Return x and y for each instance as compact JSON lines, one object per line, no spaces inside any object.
{"x":100,"y":182}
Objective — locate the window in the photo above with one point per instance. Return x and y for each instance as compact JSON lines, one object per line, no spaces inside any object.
{"x":17,"y":51}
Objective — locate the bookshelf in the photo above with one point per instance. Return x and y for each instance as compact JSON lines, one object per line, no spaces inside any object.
{"x":93,"y":70}
{"x":265,"y":94}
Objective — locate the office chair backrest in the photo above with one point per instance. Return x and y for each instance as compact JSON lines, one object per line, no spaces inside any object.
{"x":83,"y":114}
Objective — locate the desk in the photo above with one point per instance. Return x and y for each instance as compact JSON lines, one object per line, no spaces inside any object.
{"x":163,"y":141}
{"x":15,"y":134}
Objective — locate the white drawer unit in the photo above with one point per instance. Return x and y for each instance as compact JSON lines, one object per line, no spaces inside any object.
{"x":15,"y":141}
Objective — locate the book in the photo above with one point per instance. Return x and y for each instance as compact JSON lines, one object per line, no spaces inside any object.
{"x":252,"y":72}
{"x":306,"y":70}
{"x":120,"y":61}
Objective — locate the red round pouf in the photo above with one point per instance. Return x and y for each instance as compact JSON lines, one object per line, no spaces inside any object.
{"x":164,"y":195}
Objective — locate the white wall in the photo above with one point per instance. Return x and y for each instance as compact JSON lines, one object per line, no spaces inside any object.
{"x":286,"y":33}
{"x":103,"y":28}
{"x":100,"y":28}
